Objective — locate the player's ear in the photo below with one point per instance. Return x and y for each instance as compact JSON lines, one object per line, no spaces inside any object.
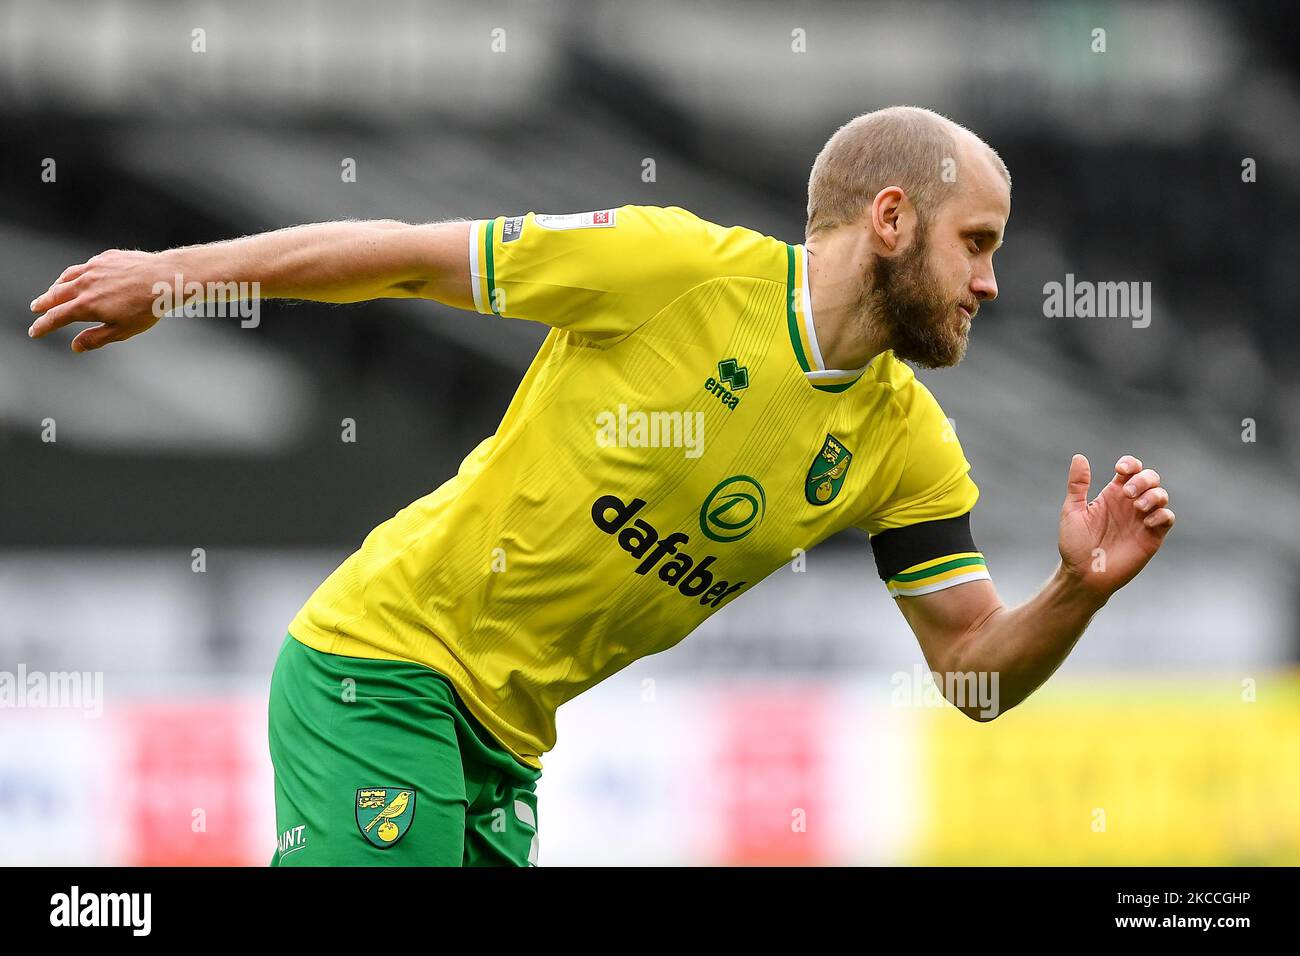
{"x":886,"y":216}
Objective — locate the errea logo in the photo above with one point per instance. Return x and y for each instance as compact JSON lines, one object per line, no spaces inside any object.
{"x":732,"y":378}
{"x":731,"y":372}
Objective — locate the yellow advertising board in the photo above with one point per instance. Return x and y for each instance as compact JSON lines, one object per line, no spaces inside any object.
{"x":1119,"y":772}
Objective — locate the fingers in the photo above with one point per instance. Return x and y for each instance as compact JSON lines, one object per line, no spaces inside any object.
{"x":90,"y":339}
{"x":1126,"y":467}
{"x":1143,"y":486}
{"x":58,"y":317}
{"x":1078,"y":483}
{"x":1155,"y":498}
{"x":72,"y":272}
{"x":1162,"y":519}
{"x":62,"y":291}
{"x":1142,"y":482}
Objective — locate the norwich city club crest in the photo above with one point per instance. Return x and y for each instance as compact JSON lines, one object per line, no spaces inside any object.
{"x":826,"y":476}
{"x":384,"y":814}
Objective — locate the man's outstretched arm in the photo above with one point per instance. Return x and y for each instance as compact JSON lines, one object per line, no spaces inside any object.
{"x":1103,"y":544}
{"x":324,"y":262}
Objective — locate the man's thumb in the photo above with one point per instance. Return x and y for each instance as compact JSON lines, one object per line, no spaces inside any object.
{"x":1076,"y":489}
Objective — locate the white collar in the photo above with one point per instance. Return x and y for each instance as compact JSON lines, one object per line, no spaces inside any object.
{"x":819,"y":370}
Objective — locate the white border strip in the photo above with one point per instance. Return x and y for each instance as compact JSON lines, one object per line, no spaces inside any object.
{"x":821,"y":371}
{"x":473,"y":264}
{"x":981,"y":575}
{"x":820,"y":365}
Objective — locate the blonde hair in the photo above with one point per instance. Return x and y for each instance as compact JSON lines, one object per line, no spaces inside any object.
{"x":904,"y":146}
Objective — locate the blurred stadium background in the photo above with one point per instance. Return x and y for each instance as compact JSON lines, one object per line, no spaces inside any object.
{"x":1171,"y":735}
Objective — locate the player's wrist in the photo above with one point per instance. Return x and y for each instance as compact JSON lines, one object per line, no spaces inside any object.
{"x":172,"y":266}
{"x":1076,"y":587}
{"x":202,"y":264}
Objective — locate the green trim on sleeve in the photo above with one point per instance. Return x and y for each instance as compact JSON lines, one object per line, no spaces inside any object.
{"x":491,"y":269}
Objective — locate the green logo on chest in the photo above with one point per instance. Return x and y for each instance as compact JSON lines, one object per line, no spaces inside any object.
{"x":732,"y":378}
{"x":733,"y":509}
{"x":826,"y":474}
{"x":733,"y":375}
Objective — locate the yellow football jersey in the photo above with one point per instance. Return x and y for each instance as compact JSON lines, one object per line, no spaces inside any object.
{"x":675,"y":440}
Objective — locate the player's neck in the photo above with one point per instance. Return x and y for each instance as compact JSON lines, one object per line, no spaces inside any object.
{"x":836,"y":265}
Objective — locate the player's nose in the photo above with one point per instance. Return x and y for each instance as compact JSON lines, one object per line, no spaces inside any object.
{"x":984,"y":285}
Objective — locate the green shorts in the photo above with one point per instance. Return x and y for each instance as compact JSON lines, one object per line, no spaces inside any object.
{"x":378,"y":763}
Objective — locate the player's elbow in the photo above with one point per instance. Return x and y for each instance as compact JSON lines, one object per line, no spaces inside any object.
{"x":979,"y":714}
{"x":976,"y":694}
{"x":981,"y":700}
{"x":972,"y":681}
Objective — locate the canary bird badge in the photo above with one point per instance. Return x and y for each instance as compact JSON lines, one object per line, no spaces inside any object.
{"x":385,"y":814}
{"x":826,"y":475}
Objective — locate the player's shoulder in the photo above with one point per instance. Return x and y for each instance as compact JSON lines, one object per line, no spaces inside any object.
{"x":726,"y":249}
{"x":679,"y":217}
{"x":919,"y":410}
{"x":933,"y":480}
{"x":893,"y":373}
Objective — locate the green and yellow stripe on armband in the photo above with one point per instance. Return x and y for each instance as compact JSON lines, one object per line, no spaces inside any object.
{"x":928,"y":556}
{"x":483,"y":234}
{"x":937,"y":574}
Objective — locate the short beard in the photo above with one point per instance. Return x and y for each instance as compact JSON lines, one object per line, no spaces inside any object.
{"x":901,"y":299}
